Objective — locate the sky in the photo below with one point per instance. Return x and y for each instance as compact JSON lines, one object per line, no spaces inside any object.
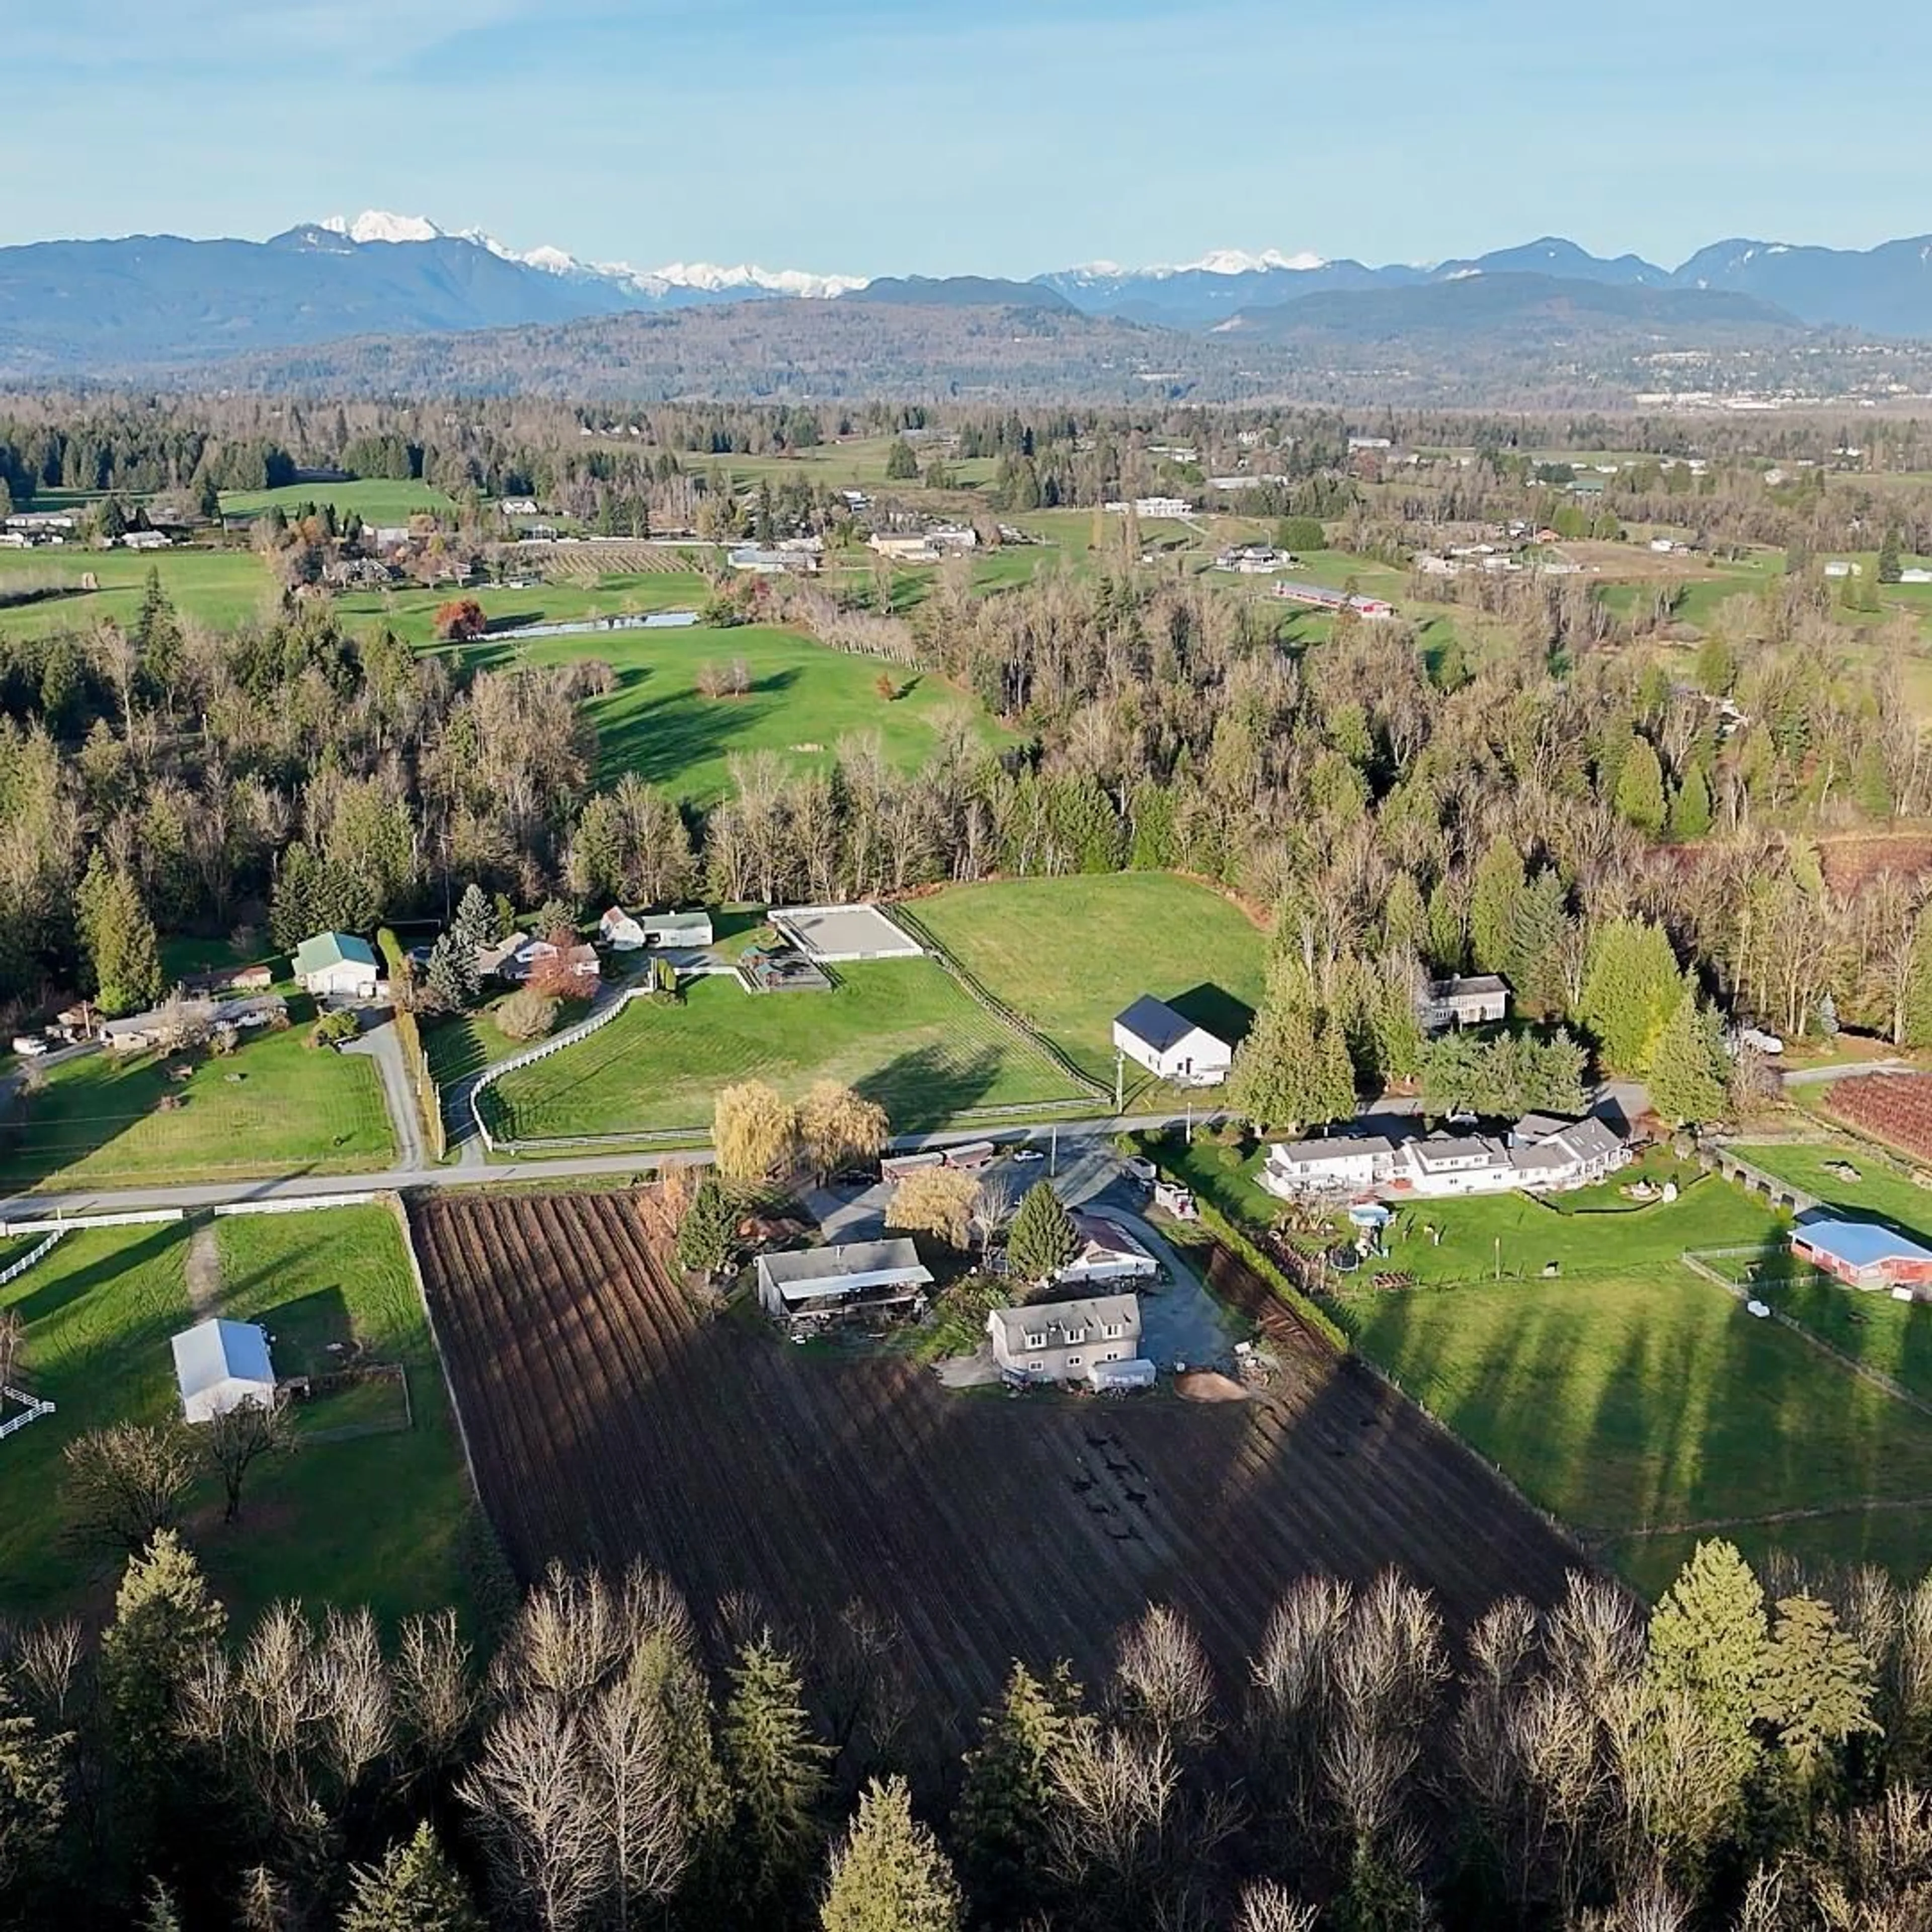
{"x":993,"y":137}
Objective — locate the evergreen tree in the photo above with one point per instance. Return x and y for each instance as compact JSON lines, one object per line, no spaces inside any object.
{"x":1275,"y":1080}
{"x":1405,"y":917}
{"x":1631,"y":986}
{"x":1640,"y":788}
{"x":708,"y":1233}
{"x":1004,"y":1825}
{"x":1871,"y":780}
{"x":1707,"y":1639}
{"x":890,"y":1874}
{"x":450,"y":976}
{"x":1689,"y":1072}
{"x":1498,"y":885}
{"x":119,"y":938}
{"x":775,"y":1770}
{"x":1042,"y":1239}
{"x":1690,"y":805}
{"x":474,"y":925}
{"x":33,"y":1798}
{"x":1916,"y":1006}
{"x":414,"y":1889}
{"x":1334,"y":1095}
{"x":1816,"y":1685}
{"x":157,"y":1909}
{"x":1890,"y":568}
{"x":902,"y":465}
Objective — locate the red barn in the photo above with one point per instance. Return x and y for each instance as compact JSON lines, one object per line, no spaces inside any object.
{"x":1864,"y":1254}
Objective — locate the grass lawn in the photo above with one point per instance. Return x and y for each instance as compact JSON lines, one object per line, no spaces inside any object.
{"x":803,"y":699}
{"x":410,"y":610}
{"x":376,"y":499}
{"x":221,"y":588}
{"x":1883,"y":1191}
{"x":1068,"y":954}
{"x":379,"y":1519}
{"x":275,"y":1104}
{"x":902,"y":1031}
{"x":376,"y":1520}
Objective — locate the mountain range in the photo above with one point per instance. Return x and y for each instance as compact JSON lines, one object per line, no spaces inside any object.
{"x":147,"y":306}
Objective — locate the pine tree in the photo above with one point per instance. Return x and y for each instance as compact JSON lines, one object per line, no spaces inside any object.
{"x":1042,"y":1239}
{"x":1405,"y":917}
{"x":890,"y":1873}
{"x":1631,"y":986}
{"x":157,"y":1909}
{"x":474,"y":925}
{"x":119,"y":939}
{"x":1640,"y":788}
{"x":1334,"y":1095}
{"x":1690,"y":805}
{"x":33,"y":1796}
{"x":1707,"y":1639}
{"x":1498,"y":885}
{"x":1816,"y":1684}
{"x":1917,"y":1004}
{"x":775,"y":1769}
{"x":1871,"y":780}
{"x":709,"y":1231}
{"x":415,"y":1889}
{"x":1889,"y":566}
{"x":451,"y":976}
{"x":1004,"y":1825}
{"x":902,"y":465}
{"x":1690,"y":1072}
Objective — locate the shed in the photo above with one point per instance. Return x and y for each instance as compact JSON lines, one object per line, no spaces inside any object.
{"x":1863,"y":1254}
{"x":863,"y":1277}
{"x":1170,"y":1045}
{"x":691,"y":928}
{"x":337,"y":963}
{"x":221,"y":1365}
{"x":1108,"y":1253}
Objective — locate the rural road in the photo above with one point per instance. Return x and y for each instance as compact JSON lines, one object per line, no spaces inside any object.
{"x":1816,"y":1076}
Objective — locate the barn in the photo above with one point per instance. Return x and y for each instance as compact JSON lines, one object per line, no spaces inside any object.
{"x":1865,"y":1254}
{"x":221,"y":1365}
{"x":338,"y":965}
{"x":1170,"y":1046}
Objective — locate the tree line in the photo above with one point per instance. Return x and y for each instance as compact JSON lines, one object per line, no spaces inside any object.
{"x":1752,"y":1754}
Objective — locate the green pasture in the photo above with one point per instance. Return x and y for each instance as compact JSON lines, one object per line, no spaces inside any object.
{"x":373,"y":1520}
{"x":902,"y":1031}
{"x":1068,"y":954}
{"x":410,"y":610}
{"x":375,"y":499}
{"x":275,"y":1105}
{"x":220,"y":588}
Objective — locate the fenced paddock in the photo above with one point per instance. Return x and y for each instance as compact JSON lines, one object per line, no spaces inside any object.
{"x":836,"y":934}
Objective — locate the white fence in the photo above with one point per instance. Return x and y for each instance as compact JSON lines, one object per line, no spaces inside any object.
{"x":297,"y":1204}
{"x":34,"y":1410}
{"x":570,"y":1035}
{"x":79,"y":1224}
{"x":27,"y":1261}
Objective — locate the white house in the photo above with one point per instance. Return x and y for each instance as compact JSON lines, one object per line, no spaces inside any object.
{"x":1840,"y":566}
{"x":620,"y":932}
{"x":1915,"y":573}
{"x":518,"y":506}
{"x":1442,"y":1166}
{"x":1574,"y":1156}
{"x":1108,"y":1253}
{"x":1343,"y":1165}
{"x":221,"y":1365}
{"x":1065,"y":1341}
{"x":1152,"y":1035}
{"x":1480,"y":1000}
{"x":338,"y":965}
{"x":147,"y":540}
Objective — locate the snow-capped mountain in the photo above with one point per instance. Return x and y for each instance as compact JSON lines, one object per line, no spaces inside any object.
{"x":695,"y":279}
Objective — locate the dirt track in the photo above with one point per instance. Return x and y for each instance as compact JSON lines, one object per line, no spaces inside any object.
{"x":607,"y":1420}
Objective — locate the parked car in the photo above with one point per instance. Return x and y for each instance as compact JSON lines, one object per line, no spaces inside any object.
{"x":29,"y":1046}
{"x":1142,"y":1169}
{"x":1028,"y":1153}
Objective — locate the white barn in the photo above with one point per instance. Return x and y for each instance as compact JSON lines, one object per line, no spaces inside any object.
{"x":1108,"y":1253}
{"x":1171,"y":1048}
{"x":219,"y":1366}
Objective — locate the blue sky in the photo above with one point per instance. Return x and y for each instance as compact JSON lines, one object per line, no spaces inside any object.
{"x":1001,"y":137}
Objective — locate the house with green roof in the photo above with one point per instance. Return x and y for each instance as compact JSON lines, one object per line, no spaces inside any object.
{"x":338,"y":965}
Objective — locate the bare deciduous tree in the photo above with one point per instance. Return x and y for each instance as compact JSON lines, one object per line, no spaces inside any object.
{"x":126,"y":1482}
{"x":1163,"y":1686}
{"x":436,"y":1695}
{"x":232,"y":1442}
{"x":1267,"y":1906}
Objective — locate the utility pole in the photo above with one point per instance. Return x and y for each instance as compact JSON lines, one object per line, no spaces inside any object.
{"x":1120,"y":1066}
{"x":1053,"y":1158}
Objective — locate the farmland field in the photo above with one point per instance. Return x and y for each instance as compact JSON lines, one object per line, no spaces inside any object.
{"x":375,"y":1520}
{"x":902,"y":1031}
{"x":275,"y":1103}
{"x":220,"y":588}
{"x":1895,"y":1108}
{"x":606,"y":1418}
{"x":1634,"y":1398}
{"x":375,"y":499}
{"x":1068,"y":954}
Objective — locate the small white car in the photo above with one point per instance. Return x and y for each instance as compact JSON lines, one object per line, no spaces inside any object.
{"x":1142,"y":1170}
{"x":29,"y":1046}
{"x":1027,"y":1154}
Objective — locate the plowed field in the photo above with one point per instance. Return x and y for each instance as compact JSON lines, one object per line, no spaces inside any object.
{"x":607,"y":1419}
{"x":1896,"y":1108}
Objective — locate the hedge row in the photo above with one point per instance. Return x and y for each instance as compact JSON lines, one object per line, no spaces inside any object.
{"x":1310,"y":1311}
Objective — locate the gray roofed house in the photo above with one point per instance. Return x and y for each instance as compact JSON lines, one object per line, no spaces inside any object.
{"x":676,"y":929}
{"x":1065,"y":1341}
{"x":854,"y":1278}
{"x":221,"y":1365}
{"x":1170,"y":1045}
{"x":1478,"y":999}
{"x":1577,"y":1154}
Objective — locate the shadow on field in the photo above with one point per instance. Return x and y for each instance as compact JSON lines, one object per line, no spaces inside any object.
{"x":37,"y":1304}
{"x":662,"y":738}
{"x":1220,"y":1012}
{"x":927,"y":1088}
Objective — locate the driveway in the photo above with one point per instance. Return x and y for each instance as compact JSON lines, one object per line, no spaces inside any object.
{"x":379,"y":1043}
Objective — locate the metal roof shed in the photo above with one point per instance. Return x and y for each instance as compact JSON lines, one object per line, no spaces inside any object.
{"x":221,"y":1365}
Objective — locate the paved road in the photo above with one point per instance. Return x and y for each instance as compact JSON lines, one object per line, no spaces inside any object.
{"x":1815,"y":1076}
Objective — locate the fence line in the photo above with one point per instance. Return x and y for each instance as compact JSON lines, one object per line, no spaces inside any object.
{"x":27,"y":1261}
{"x":35,"y":1409}
{"x":75,"y":1224}
{"x":298,"y":1204}
{"x":570,"y":1036}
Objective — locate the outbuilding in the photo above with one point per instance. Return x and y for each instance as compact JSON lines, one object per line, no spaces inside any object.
{"x":1170,"y":1046}
{"x":219,"y":1366}
{"x":1865,"y":1254}
{"x":856,"y":1279}
{"x":337,"y":965}
{"x":1108,"y":1253}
